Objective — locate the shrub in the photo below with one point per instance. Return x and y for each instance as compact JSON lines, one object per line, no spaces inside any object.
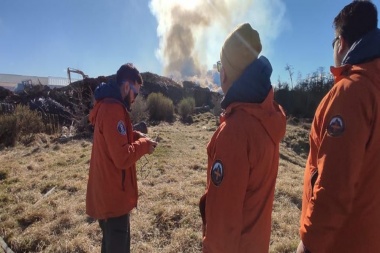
{"x":28,"y":121}
{"x":139,"y":110}
{"x":21,"y":125}
{"x":52,"y":125}
{"x":8,"y":132}
{"x":160,"y":107}
{"x":186,"y":107}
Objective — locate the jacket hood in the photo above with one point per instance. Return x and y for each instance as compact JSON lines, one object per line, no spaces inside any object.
{"x":365,"y":49}
{"x":269,"y":113}
{"x":106,"y":91}
{"x":253,"y":84}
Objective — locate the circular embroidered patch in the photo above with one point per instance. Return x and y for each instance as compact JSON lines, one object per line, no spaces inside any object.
{"x":121,"y":128}
{"x":336,"y":126}
{"x":217,"y":173}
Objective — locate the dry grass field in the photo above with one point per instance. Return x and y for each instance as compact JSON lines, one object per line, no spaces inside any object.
{"x":43,"y":187}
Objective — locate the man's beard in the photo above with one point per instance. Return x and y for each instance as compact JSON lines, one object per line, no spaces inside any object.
{"x":127,"y":100}
{"x":128,"y":103}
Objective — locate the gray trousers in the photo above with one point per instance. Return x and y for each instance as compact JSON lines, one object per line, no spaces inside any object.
{"x":116,"y":234}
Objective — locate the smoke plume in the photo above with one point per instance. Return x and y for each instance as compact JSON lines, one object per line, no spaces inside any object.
{"x":191,"y":33}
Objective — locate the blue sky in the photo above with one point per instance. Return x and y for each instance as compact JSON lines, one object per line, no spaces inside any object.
{"x":44,"y":37}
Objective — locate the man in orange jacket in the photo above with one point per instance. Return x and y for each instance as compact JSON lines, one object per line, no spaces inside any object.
{"x":243,"y":153}
{"x":112,"y":184}
{"x":341,"y":199}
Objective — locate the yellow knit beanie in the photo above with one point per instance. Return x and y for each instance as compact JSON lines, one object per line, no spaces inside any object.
{"x":241,"y":47}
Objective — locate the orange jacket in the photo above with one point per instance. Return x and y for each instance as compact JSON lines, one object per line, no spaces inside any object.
{"x":341,"y":198}
{"x":112,"y":184}
{"x":243,"y":157}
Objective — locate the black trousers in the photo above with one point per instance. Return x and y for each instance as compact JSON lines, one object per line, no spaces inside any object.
{"x":116,"y":235}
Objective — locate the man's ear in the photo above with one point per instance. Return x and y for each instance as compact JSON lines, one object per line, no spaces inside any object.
{"x":125,"y":89}
{"x":343,"y":46}
{"x":223,"y":76}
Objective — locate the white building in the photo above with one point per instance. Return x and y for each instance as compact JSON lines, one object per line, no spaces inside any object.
{"x":10,"y":81}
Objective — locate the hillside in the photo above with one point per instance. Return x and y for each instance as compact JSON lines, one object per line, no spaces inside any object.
{"x":43,"y":186}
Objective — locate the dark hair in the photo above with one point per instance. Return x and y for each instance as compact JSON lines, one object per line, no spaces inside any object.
{"x":355,"y":20}
{"x":128,"y":72}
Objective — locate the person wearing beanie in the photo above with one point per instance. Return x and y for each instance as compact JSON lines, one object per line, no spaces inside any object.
{"x":341,"y":197}
{"x":243,"y":153}
{"x":112,"y":183}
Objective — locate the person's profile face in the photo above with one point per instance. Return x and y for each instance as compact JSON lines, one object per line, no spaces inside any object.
{"x":134,"y":89}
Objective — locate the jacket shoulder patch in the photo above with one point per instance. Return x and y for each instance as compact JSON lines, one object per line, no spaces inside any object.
{"x":336,"y":126}
{"x":121,"y":128}
{"x":217,"y":173}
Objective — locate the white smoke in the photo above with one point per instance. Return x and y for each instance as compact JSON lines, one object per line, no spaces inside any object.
{"x":191,"y":33}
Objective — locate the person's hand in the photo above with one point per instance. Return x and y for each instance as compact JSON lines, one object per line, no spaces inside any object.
{"x":139,"y":135}
{"x":152,"y":145}
{"x":301,"y":248}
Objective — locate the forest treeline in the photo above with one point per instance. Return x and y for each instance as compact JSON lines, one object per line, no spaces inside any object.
{"x":301,"y":99}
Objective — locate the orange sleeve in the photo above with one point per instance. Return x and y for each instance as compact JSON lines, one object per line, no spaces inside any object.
{"x":115,"y":130}
{"x":224,"y":204}
{"x":345,"y":122}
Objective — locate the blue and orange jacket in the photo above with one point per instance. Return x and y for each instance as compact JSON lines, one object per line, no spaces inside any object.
{"x":341,"y":199}
{"x":243,"y":157}
{"x":112,"y":184}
